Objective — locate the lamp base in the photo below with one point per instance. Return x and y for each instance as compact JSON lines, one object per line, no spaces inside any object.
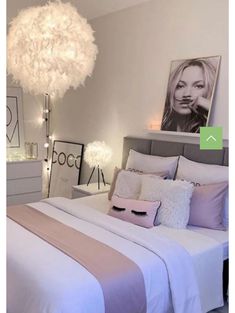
{"x":100,"y":172}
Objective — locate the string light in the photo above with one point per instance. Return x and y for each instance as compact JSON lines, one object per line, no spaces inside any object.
{"x":47,"y":112}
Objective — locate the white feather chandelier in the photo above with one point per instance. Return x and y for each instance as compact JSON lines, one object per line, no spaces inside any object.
{"x":50,"y":49}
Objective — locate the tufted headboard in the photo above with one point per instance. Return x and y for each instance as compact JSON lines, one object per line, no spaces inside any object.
{"x":171,"y":148}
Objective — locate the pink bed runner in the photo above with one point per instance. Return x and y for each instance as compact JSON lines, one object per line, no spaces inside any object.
{"x":121,"y":279}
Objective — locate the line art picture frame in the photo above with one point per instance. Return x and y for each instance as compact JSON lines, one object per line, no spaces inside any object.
{"x":14,"y":120}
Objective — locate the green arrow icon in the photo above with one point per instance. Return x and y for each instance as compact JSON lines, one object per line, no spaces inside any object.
{"x":211,"y":138}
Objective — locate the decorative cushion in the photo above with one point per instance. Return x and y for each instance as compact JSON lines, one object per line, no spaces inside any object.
{"x":151,"y":163}
{"x":128,"y":183}
{"x":138,"y":212}
{"x":112,"y":186}
{"x":175,"y":197}
{"x":206,"y":208}
{"x":225,"y":211}
{"x":202,"y":174}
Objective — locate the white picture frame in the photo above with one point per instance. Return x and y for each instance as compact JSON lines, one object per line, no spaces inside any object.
{"x":14,"y":121}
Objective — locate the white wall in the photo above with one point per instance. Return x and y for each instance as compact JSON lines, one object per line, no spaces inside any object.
{"x":129,"y":82}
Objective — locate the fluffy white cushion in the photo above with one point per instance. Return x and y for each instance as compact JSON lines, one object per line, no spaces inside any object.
{"x":175,"y":197}
{"x":203,"y":174}
{"x":151,"y":163}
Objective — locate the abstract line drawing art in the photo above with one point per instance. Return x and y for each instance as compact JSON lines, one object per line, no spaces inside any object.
{"x":13,"y":137}
{"x":14,"y":119}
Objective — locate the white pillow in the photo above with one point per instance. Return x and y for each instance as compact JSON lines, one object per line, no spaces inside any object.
{"x":151,"y":163}
{"x":203,"y":174}
{"x":175,"y":197}
{"x":128,"y":185}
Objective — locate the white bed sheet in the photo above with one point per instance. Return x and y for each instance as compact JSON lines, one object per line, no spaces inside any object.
{"x":102,"y":204}
{"x":218,"y":235}
{"x":199,"y":242}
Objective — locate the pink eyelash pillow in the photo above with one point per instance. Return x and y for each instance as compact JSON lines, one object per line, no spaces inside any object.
{"x":139,"y":212}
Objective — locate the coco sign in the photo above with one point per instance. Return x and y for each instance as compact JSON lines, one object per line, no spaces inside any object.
{"x":69,"y":159}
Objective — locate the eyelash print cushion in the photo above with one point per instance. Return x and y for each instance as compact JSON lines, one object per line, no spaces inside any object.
{"x":142,"y":213}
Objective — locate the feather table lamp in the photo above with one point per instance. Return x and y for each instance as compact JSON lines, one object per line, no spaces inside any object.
{"x":97,"y":155}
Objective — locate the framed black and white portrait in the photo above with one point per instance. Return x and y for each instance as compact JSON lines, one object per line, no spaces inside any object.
{"x":14,"y":120}
{"x":190,"y":92}
{"x":66,"y":163}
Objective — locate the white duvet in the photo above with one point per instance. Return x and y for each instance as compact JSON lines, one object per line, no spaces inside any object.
{"x":41,"y":279}
{"x":204,"y":245}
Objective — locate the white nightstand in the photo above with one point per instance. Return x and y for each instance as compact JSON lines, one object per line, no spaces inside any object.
{"x":92,"y":189}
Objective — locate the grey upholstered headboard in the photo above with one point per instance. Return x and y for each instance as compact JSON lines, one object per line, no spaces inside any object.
{"x":170,"y":148}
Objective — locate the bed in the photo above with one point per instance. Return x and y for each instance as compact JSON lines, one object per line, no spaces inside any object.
{"x":181,"y":269}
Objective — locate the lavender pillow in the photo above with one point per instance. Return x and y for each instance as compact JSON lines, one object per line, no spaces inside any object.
{"x":201,"y":174}
{"x":138,"y":212}
{"x":206,"y":207}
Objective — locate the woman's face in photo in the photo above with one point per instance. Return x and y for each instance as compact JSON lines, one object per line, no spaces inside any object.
{"x":190,"y":86}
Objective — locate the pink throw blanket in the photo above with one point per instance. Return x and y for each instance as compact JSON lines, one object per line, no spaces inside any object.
{"x":121,"y":279}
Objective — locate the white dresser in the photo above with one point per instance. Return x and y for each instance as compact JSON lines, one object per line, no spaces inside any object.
{"x":24,"y":181}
